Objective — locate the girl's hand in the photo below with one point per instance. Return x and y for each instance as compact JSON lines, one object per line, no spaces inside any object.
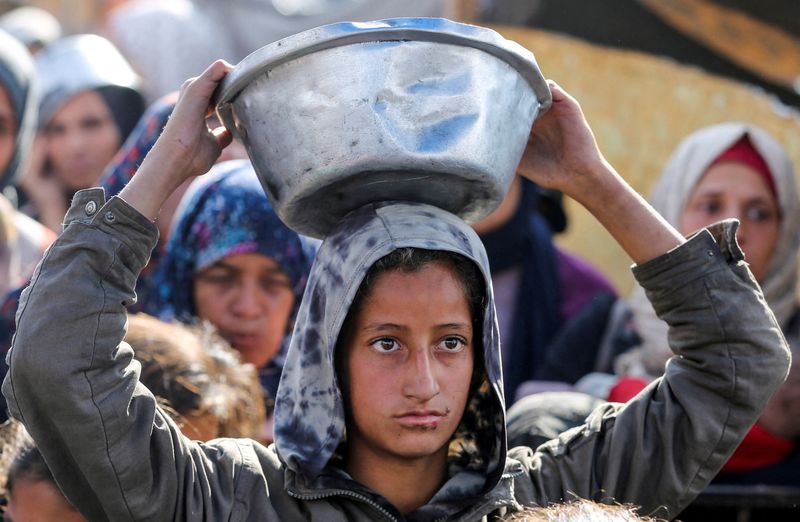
{"x":561,"y":152}
{"x":192,"y":146}
{"x":186,"y":148}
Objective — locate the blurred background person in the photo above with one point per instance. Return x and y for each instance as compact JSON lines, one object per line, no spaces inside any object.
{"x":22,"y":240}
{"x":27,"y":488}
{"x":33,"y":26}
{"x":232,"y":262}
{"x":538,"y":286}
{"x":88,"y":104}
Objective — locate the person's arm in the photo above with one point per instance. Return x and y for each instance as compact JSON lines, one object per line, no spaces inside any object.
{"x":660,"y":449}
{"x":74,"y":384}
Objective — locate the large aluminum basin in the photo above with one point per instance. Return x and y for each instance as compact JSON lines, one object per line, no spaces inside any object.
{"x":411,"y":109}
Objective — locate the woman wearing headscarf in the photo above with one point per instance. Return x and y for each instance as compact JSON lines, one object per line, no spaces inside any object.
{"x":231,"y":261}
{"x":89,"y":102}
{"x":728,"y":170}
{"x":391,"y":402}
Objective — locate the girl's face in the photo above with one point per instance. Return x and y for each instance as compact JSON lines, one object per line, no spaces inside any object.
{"x":409,"y":360}
{"x":39,"y":500}
{"x":8,"y":129}
{"x":249,"y":299}
{"x":82,"y":138}
{"x":735,"y":190}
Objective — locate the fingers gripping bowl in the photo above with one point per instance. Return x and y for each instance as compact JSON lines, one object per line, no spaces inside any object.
{"x":410,"y":109}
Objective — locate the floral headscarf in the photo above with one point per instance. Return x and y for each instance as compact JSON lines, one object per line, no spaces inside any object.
{"x":224,"y":213}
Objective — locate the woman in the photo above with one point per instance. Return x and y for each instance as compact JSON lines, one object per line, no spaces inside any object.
{"x":411,"y":423}
{"x":232,"y":262}
{"x":88,"y":104}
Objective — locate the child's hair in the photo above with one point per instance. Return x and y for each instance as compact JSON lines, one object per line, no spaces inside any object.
{"x":194,"y":372}
{"x":579,"y":511}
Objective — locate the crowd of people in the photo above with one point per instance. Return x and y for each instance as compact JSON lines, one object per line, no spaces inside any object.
{"x":173,"y":350}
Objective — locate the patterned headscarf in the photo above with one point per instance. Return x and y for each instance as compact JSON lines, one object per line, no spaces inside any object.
{"x":225,"y":213}
{"x":683,"y":171}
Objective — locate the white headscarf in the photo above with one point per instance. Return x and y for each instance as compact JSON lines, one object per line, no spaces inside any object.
{"x":670,"y":194}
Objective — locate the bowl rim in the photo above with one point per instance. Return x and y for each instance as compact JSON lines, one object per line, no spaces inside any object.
{"x":436,"y":30}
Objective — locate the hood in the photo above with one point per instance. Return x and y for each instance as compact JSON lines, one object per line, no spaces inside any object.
{"x":309,"y":413}
{"x":16,"y":77}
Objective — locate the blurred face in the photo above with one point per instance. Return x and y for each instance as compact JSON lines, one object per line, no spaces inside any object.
{"x":735,"y":190}
{"x":39,"y":501}
{"x":8,"y":129}
{"x":81,"y":139}
{"x":249,"y":299}
{"x":409,"y":366}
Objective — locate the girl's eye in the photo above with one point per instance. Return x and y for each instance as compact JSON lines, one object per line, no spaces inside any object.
{"x":453,"y":344}
{"x":385,"y":345}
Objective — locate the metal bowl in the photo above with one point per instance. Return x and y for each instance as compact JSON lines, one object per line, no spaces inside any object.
{"x":410,"y":109}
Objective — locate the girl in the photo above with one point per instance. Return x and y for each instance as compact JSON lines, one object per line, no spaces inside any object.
{"x":391,"y":403}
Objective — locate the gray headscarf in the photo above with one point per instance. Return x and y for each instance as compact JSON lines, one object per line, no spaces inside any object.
{"x":670,"y":194}
{"x":17,"y":78}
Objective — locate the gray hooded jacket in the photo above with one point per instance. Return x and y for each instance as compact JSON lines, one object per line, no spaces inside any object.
{"x":117,"y":456}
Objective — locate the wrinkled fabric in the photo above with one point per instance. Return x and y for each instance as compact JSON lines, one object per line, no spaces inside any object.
{"x":669,"y":197}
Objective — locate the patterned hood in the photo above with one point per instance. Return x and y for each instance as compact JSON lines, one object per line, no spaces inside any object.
{"x":309,"y":413}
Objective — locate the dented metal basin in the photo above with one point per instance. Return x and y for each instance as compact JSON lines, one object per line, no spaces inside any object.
{"x":412,"y":109}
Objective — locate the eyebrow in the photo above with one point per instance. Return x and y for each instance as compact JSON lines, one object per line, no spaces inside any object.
{"x":226,"y":266}
{"x":378,"y":327}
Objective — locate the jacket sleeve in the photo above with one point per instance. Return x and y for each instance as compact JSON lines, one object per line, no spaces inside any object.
{"x":662,"y":448}
{"x":75,"y":384}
